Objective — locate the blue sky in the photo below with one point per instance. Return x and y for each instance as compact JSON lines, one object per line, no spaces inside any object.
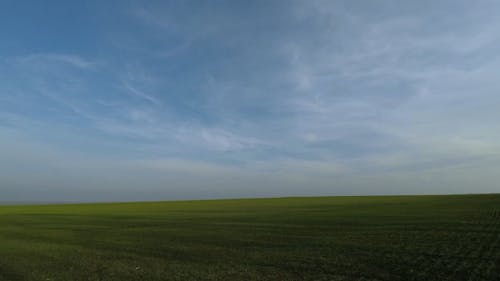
{"x":130,"y":100}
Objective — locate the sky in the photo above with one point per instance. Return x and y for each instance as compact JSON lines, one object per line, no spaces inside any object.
{"x":166,"y":100}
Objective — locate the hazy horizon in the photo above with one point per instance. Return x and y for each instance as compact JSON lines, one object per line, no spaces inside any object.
{"x":168,"y":100}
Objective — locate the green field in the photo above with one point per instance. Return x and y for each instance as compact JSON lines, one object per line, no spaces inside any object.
{"x":322,"y":238}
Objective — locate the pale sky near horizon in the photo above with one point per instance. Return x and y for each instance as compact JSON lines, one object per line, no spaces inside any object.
{"x":159,"y":100}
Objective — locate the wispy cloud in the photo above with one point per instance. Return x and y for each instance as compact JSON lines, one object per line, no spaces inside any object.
{"x":140,"y":94}
{"x":72,"y":60}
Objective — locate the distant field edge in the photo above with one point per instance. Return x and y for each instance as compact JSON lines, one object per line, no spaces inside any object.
{"x":45,"y":203}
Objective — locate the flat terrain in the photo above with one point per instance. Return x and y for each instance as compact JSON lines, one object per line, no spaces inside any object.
{"x":323,"y":238}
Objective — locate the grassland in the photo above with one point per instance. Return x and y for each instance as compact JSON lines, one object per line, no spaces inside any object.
{"x":323,"y":238}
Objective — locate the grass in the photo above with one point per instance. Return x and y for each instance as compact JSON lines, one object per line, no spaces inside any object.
{"x":322,"y":238}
